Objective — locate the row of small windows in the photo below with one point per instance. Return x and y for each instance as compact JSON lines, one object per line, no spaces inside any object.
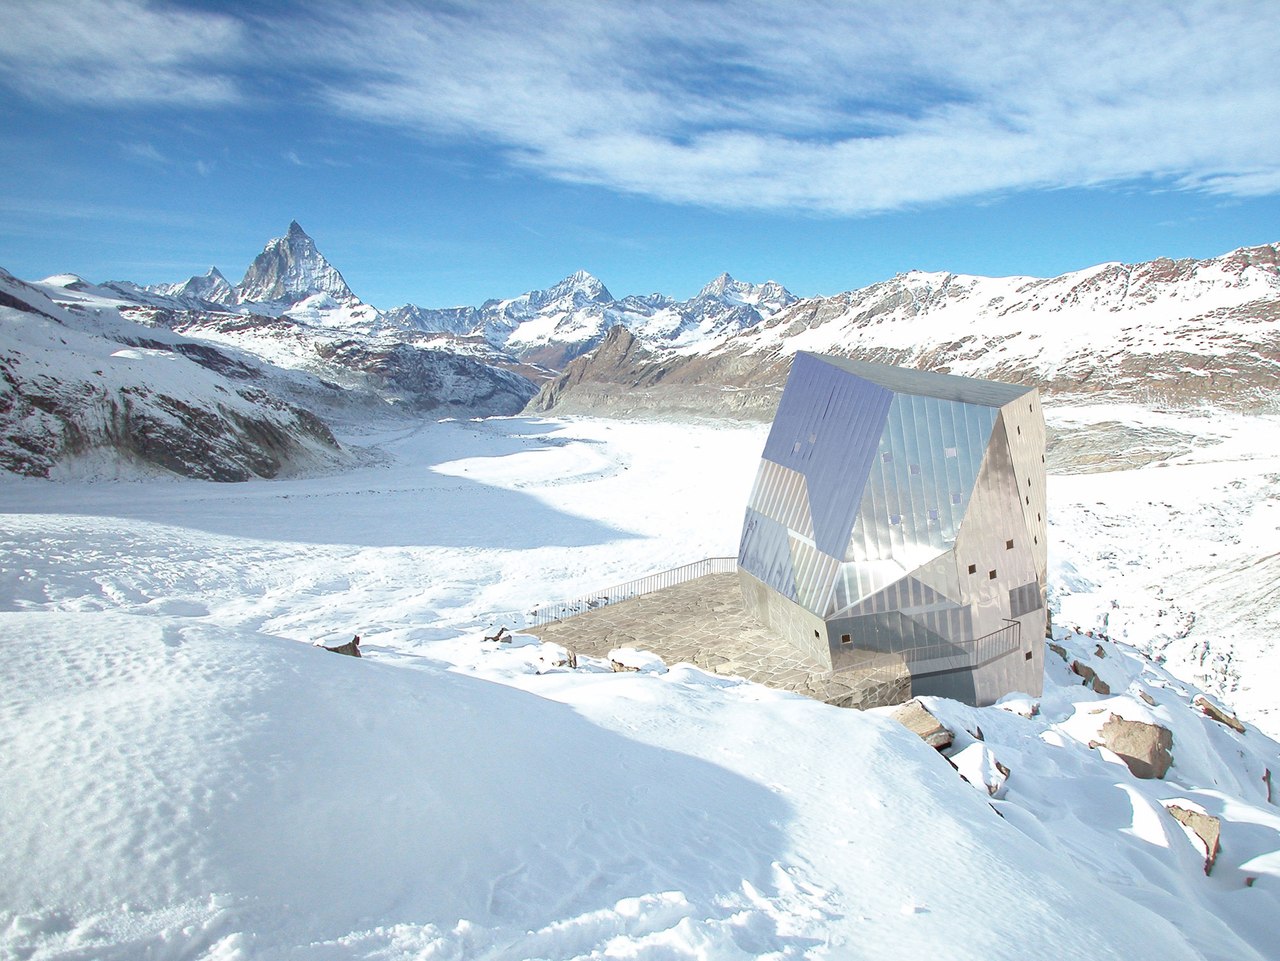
{"x":887,"y":457}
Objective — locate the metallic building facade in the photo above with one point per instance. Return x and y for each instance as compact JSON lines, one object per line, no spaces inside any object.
{"x":901,"y":513}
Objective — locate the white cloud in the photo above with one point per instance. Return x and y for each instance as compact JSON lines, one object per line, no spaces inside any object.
{"x":118,"y":52}
{"x":814,"y":105}
{"x":143,"y":151}
{"x":829,"y":106}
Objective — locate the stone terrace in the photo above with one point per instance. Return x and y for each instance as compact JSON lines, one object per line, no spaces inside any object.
{"x":703,"y":622}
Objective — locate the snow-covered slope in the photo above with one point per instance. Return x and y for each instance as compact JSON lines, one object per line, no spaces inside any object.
{"x":184,"y":779}
{"x":1174,"y":331}
{"x":113,"y":396}
{"x":313,"y":325}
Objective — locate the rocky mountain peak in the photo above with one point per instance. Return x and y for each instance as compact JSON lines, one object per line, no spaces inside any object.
{"x":768,"y":298}
{"x":292,"y":268}
{"x":718,"y":286}
{"x":580,"y":287}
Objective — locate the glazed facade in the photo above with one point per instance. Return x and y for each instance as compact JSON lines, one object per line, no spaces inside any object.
{"x":903,"y":513}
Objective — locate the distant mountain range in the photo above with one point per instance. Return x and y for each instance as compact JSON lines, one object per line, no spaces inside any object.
{"x":292,"y":336}
{"x":539,"y":327}
{"x":1169,"y":332}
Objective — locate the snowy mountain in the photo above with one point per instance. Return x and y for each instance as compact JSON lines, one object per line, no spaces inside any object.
{"x":111,"y":397}
{"x":210,"y":287}
{"x":550,"y":327}
{"x":1178,"y":331}
{"x":535,"y":333}
{"x":290,"y":269}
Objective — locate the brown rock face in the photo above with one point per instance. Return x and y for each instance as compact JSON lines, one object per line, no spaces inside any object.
{"x":1222,"y":717}
{"x":1205,"y":826}
{"x":1143,"y":747}
{"x":1090,"y":677}
{"x":915,"y":718}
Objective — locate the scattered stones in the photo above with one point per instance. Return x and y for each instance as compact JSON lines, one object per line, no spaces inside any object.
{"x":503,"y":635}
{"x":1019,"y":704}
{"x":1099,"y":652}
{"x":916,"y":718}
{"x":1090,"y":677}
{"x":1204,"y":826}
{"x":624,"y":659}
{"x":1059,"y":650}
{"x":1147,"y":697}
{"x":352,"y":647}
{"x":1266,"y":779}
{"x":1143,"y":747}
{"x":1218,"y":714}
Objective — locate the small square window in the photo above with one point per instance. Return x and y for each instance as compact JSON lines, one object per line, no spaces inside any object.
{"x":886,"y":456}
{"x":913,"y":468}
{"x":1028,"y":656}
{"x":991,"y":575}
{"x":1037,"y":517}
{"x":816,"y":634}
{"x":846,"y":639}
{"x":1028,"y":481}
{"x":795,"y":448}
{"x":1019,"y":429}
{"x":1028,"y":501}
{"x":933,"y":513}
{"x":895,"y":518}
{"x":973,"y":568}
{"x":950,"y":452}
{"x":1008,"y":545}
{"x":956,"y":498}
{"x":813,"y":438}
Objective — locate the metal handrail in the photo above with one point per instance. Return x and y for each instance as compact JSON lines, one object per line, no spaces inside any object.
{"x":969,"y":654}
{"x":560,"y":610}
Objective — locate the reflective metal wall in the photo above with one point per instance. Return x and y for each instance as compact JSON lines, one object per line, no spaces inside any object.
{"x":907,"y":511}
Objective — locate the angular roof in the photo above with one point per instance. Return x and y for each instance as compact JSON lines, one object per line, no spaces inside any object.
{"x":901,"y":380}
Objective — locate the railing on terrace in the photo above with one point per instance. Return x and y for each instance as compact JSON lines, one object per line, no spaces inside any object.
{"x":951,"y":657}
{"x":558,"y":611}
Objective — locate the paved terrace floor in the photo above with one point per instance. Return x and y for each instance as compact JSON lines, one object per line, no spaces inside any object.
{"x":704,"y":622}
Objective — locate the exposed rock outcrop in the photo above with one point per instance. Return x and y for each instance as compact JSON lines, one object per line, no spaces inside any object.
{"x":1212,"y":710}
{"x":1143,"y":747}
{"x":1206,"y":827}
{"x":917,"y":719}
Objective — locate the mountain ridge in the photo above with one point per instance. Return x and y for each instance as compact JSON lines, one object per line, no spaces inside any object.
{"x":1180,"y":331}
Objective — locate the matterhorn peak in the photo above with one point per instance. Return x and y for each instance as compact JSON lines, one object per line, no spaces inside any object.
{"x":290,"y":268}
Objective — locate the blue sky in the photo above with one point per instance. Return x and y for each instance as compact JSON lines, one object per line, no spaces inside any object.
{"x":442,"y":153}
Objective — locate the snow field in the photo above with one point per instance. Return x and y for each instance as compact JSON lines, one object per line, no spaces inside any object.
{"x":184,"y":779}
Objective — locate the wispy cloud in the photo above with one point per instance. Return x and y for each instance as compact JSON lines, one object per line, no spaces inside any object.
{"x":813,"y":105}
{"x":119,"y":52}
{"x":144,"y":151}
{"x":829,"y":106}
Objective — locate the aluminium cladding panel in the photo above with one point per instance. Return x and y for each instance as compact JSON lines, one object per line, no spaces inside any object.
{"x":952,"y":387}
{"x":765,"y":552}
{"x":1024,"y":425}
{"x":917,"y":491}
{"x":781,"y":493}
{"x":827,"y":427}
{"x":994,"y":550}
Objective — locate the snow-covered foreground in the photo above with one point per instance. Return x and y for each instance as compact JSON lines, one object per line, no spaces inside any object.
{"x":183,"y":779}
